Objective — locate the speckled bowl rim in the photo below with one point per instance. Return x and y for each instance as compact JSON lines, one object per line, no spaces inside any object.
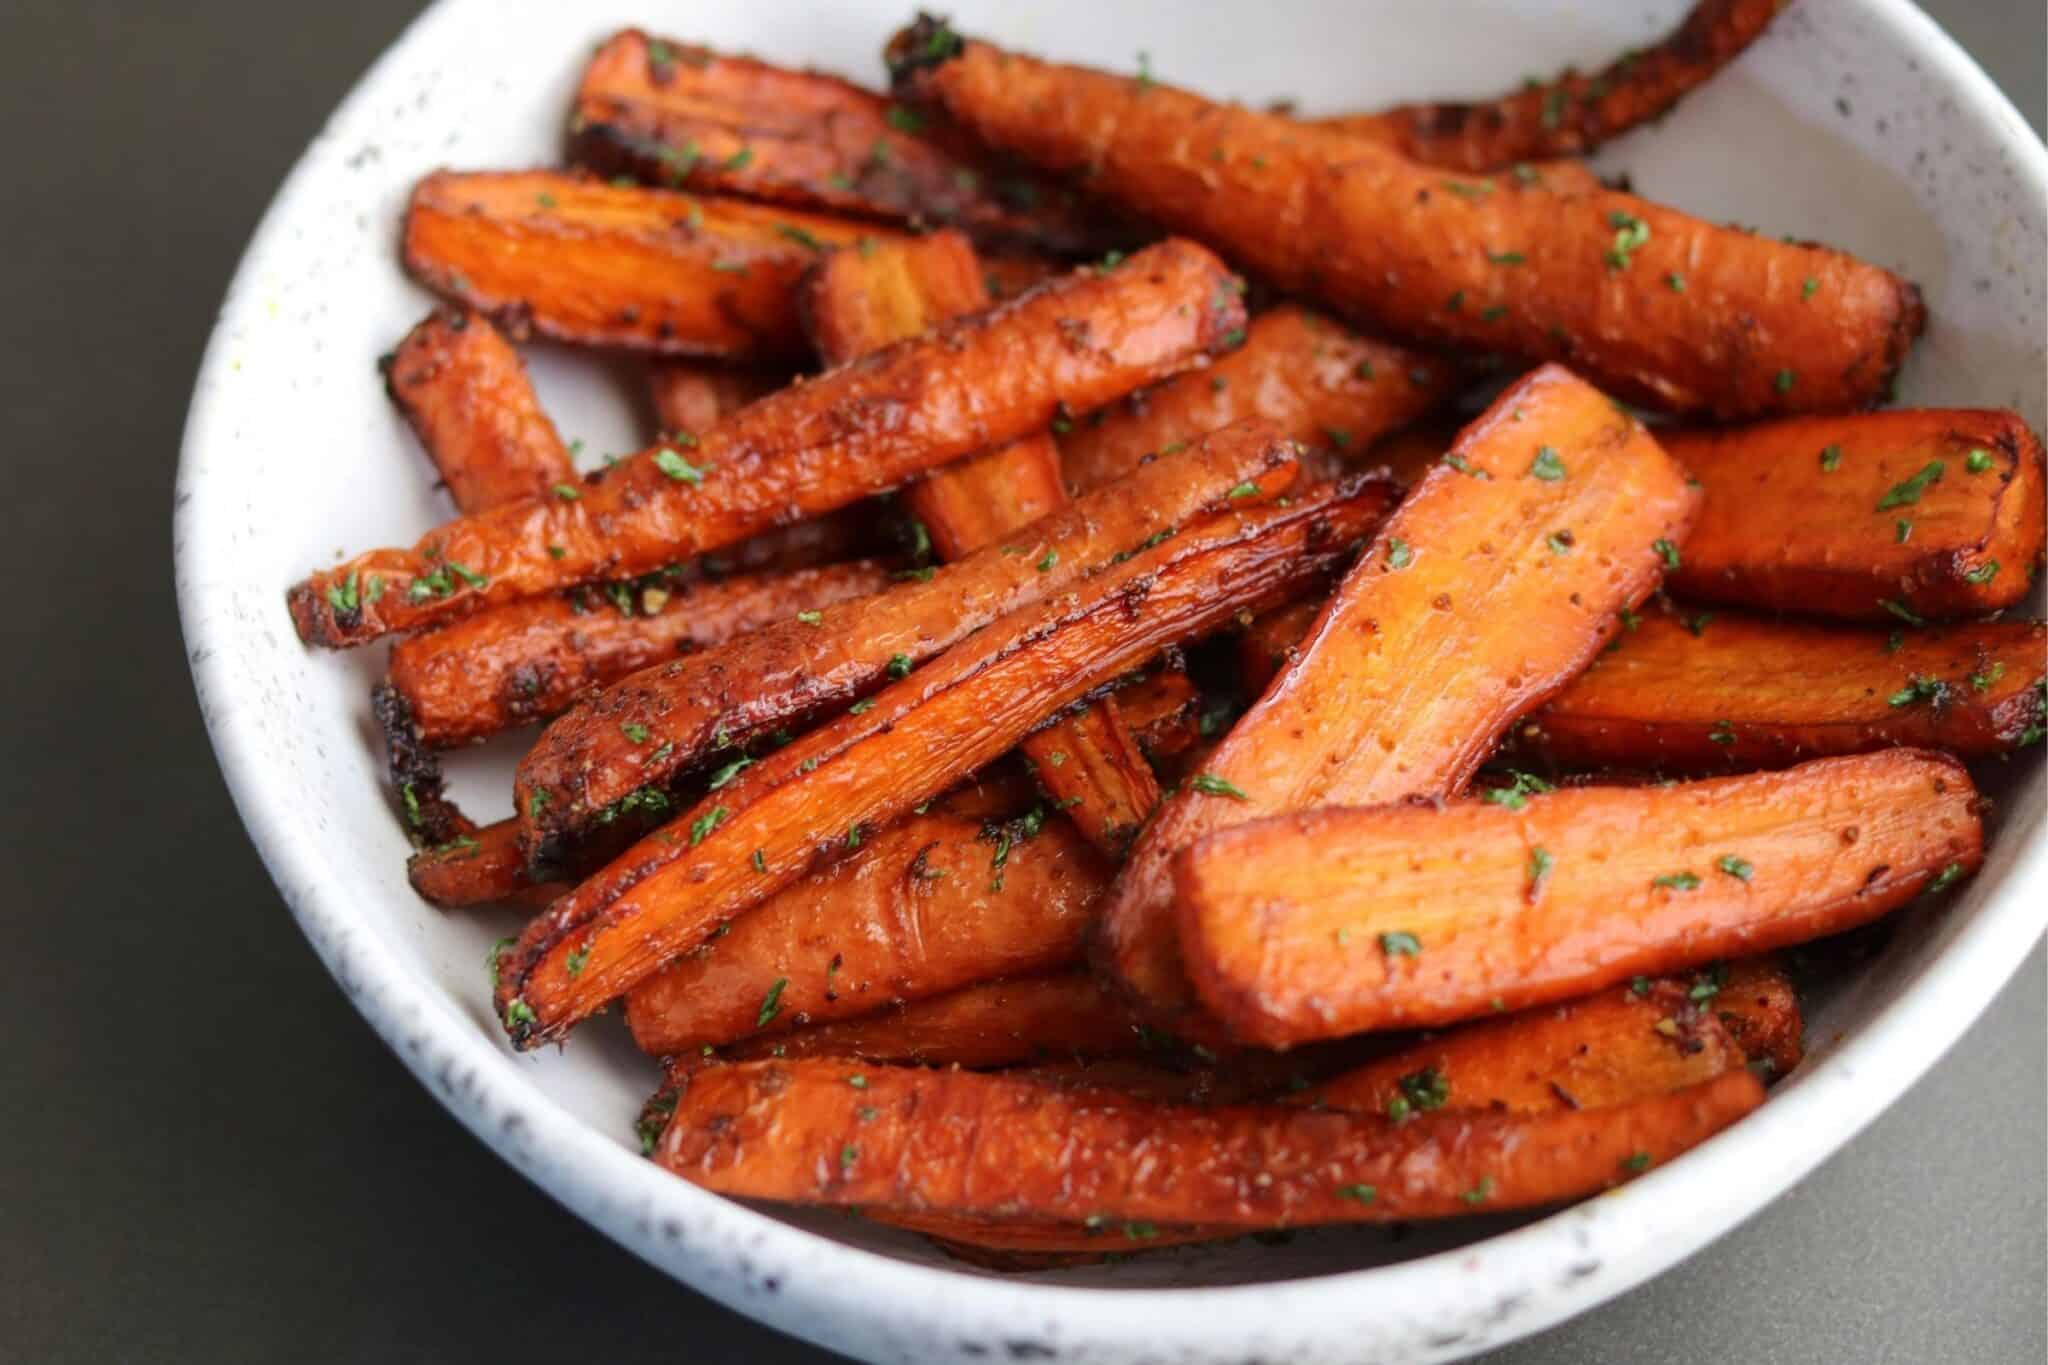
{"x":1436,"y":1307}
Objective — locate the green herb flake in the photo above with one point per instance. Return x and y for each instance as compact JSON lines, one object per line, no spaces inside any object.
{"x":1675,"y":282}
{"x":1630,"y":233}
{"x":1540,"y":863}
{"x":810,"y":618}
{"x":721,"y":776}
{"x":900,"y":665}
{"x":800,"y":236}
{"x":1362,"y":1194}
{"x":1983,"y":573}
{"x":634,"y":731}
{"x":1981,"y":680}
{"x":1977,"y":461}
{"x":1050,"y":558}
{"x":760,"y":860}
{"x":771,"y":1003}
{"x":1637,"y":1163}
{"x":1560,"y":542}
{"x":678,"y":468}
{"x":1676,"y":881}
{"x":1902,"y":611}
{"x":1400,"y":943}
{"x":1243,"y":490}
{"x":1546,"y":466}
{"x":1666,"y":551}
{"x":1506,"y":258}
{"x":861,"y":707}
{"x":573,"y":963}
{"x":1784,"y":380}
{"x":1464,"y":466}
{"x":1809,"y":289}
{"x":1479,"y":1193}
{"x":1399,"y":555}
{"x":1738,"y":868}
{"x":1907,"y":492}
{"x":1211,"y":785}
{"x":1902,"y":531}
{"x":701,"y":827}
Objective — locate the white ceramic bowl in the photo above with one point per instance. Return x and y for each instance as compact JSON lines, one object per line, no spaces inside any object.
{"x":1853,"y":121}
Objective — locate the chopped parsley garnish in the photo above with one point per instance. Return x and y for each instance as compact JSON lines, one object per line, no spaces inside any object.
{"x":1560,"y":542}
{"x":634,"y":731}
{"x":1981,"y":680}
{"x":1902,"y":531}
{"x":1784,"y":380}
{"x":1400,"y":943}
{"x":1630,"y":233}
{"x":1977,"y":461}
{"x":1667,"y":551}
{"x":1420,"y":1091}
{"x":810,"y":618}
{"x":1808,"y":289}
{"x":1708,"y":983}
{"x":728,"y":772}
{"x":1902,"y":611}
{"x":1050,"y":558}
{"x":1243,"y":490}
{"x":1479,"y":1193}
{"x":1363,"y":1194}
{"x":1907,"y":492}
{"x":1639,"y":1162}
{"x":1698,"y":622}
{"x":1830,"y":458}
{"x":760,"y":860}
{"x":899,"y":665}
{"x":1477,"y":189}
{"x":905,"y":120}
{"x":1464,"y":466}
{"x":1946,"y":878}
{"x":739,"y":159}
{"x":1516,"y":794}
{"x":1677,"y":881}
{"x":702,"y":826}
{"x":518,"y":1012}
{"x":678,"y":468}
{"x":573,"y":963}
{"x":1675,"y":282}
{"x":1506,"y":258}
{"x":1738,"y":868}
{"x":861,"y":707}
{"x":568,"y":492}
{"x":1546,"y":466}
{"x":1540,"y":863}
{"x":771,"y":1003}
{"x":1919,"y":689}
{"x":798,"y":235}
{"x":1211,"y":785}
{"x":1983,"y":573}
{"x":1399,"y":556}
{"x":497,"y":955}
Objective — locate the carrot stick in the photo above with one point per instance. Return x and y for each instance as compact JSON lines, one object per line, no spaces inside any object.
{"x":928,"y":905}
{"x":981,"y":1145}
{"x":1698,"y":691}
{"x":478,"y":867}
{"x":1884,"y":516}
{"x":1573,"y":114}
{"x":864,"y":427}
{"x":595,"y":756}
{"x":1643,"y":300}
{"x":690,"y":395}
{"x":1314,"y":379}
{"x":763,"y":829}
{"x":1485,"y":592}
{"x":1335,"y":921}
{"x":1271,"y":643}
{"x":1755,"y":1001}
{"x":678,"y":114}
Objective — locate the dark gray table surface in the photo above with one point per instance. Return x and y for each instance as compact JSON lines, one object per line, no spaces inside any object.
{"x":206,"y":1154}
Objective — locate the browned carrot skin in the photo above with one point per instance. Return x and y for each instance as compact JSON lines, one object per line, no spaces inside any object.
{"x":465,"y":392}
{"x":1756,"y":1002}
{"x":1879,"y":517}
{"x":1273,"y":641}
{"x":690,"y":395}
{"x":1701,"y":691}
{"x":597,"y":264}
{"x":1314,"y":379}
{"x":678,"y":114}
{"x":1163,"y":711}
{"x":754,"y":836}
{"x":1338,"y":921}
{"x":1486,"y":591}
{"x":976,"y":1144}
{"x":1755,"y":327}
{"x":974,"y":382}
{"x":1573,"y":114}
{"x":920,"y":909}
{"x":587,"y":761}
{"x":480,"y":867}
{"x":526,"y":661}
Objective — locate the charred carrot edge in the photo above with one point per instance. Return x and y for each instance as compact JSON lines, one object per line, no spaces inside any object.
{"x":1883,"y":516}
{"x":980,"y":1145}
{"x":973,"y":382}
{"x":759,"y":833}
{"x":482,"y":866}
{"x":857,"y":302}
{"x":1696,"y":690}
{"x":1484,"y":593}
{"x":465,"y":393}
{"x":690,"y":395}
{"x":930,"y":904}
{"x":678,"y":114}
{"x":1639,"y":298}
{"x":1313,"y":378}
{"x":591,"y":759}
{"x":425,"y":811}
{"x":1338,"y":921}
{"x":526,"y":661}
{"x":1572,"y":114}
{"x":1163,"y":710}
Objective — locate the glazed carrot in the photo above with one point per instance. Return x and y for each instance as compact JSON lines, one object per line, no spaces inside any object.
{"x":481,"y":866}
{"x":592,"y":757}
{"x":971,"y":1143}
{"x":466,"y":395}
{"x":1337,"y":921}
{"x":1163,"y":711}
{"x":1645,"y":301}
{"x":1696,"y":691}
{"x":526,"y":661}
{"x":861,"y":301}
{"x":1273,"y":641}
{"x":1755,"y":1001}
{"x":1484,"y":593}
{"x":1314,"y":379}
{"x":864,"y":427}
{"x":678,"y":114}
{"x":763,"y":829}
{"x":928,"y":905}
{"x":690,"y":395}
{"x":1573,"y":114}
{"x":597,"y":264}
{"x":1884,"y":516}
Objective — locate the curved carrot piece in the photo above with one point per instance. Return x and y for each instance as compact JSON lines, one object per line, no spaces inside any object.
{"x":478,"y":867}
{"x":690,"y":395}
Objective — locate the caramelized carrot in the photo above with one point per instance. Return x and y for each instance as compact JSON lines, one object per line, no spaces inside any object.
{"x":1755,"y":1001}
{"x":864,"y":427}
{"x":1484,"y":593}
{"x":1336,"y":921}
{"x":1271,"y":643}
{"x":1884,"y":516}
{"x":480,"y":866}
{"x":1645,"y":301}
{"x":690,"y":395}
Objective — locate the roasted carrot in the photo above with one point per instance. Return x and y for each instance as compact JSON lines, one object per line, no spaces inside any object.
{"x":1484,"y":593}
{"x":466,"y":395}
{"x":857,"y":302}
{"x":678,"y":114}
{"x":928,"y":905}
{"x":1338,"y":921}
{"x":763,"y":829}
{"x":970,"y":384}
{"x":1273,"y":641}
{"x":481,"y":866}
{"x":526,"y":661}
{"x":1163,"y":711}
{"x":1884,"y":516}
{"x":1645,"y":301}
{"x":690,"y":395}
{"x":1314,"y":379}
{"x":983,"y":1145}
{"x":1756,"y":1002}
{"x":1696,"y":691}
{"x":592,"y":757}
{"x":1573,"y":114}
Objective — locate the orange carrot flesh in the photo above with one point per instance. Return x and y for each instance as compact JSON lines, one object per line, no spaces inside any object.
{"x":1273,"y":641}
{"x":1335,"y":921}
{"x":1752,"y":327}
{"x":922,"y":908}
{"x":981,"y":1145}
{"x":465,"y":393}
{"x":478,"y":867}
{"x":1755,"y":1000}
{"x":864,"y":427}
{"x":1573,"y":114}
{"x":1314,"y":379}
{"x":1882,"y":516}
{"x":690,"y":395}
{"x":659,"y":722}
{"x":859,"y":302}
{"x":1700,"y":691}
{"x":754,"y":836}
{"x":1484,"y":593}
